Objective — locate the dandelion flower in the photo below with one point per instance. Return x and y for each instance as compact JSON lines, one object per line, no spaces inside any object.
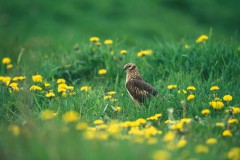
{"x":211,"y":141}
{"x":9,"y":66}
{"x":34,"y":88}
{"x":231,"y":121}
{"x":191,"y":88}
{"x":181,"y":143}
{"x":14,"y":129}
{"x":227,"y":133}
{"x":47,"y":114}
{"x":6,"y":60}
{"x":235,"y":110}
{"x":172,"y":86}
{"x":144,"y":53}
{"x":216,"y":104}
{"x":201,"y":149}
{"x":220,"y":124}
{"x":227,"y":98}
{"x":169,"y":136}
{"x":37,"y":78}
{"x":62,"y":87}
{"x":123,"y":51}
{"x":111,"y":92}
{"x":46,"y":84}
{"x":20,"y":78}
{"x":14,"y":86}
{"x":85,"y":88}
{"x":234,"y":153}
{"x":94,"y":39}
{"x":202,"y":38}
{"x":61,"y":81}
{"x":108,"y":42}
{"x":70,"y":116}
{"x":107,"y":97}
{"x":214,"y":88}
{"x":102,"y":71}
{"x":118,"y":108}
{"x":190,"y":97}
{"x":182,"y":91}
{"x":81,"y":126}
{"x":50,"y":94}
{"x":161,"y":155}
{"x":205,"y":111}
{"x":98,"y":121}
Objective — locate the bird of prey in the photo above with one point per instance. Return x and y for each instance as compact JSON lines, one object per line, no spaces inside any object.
{"x":138,"y":89}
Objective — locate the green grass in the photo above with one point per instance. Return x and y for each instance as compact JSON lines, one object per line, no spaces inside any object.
{"x":203,"y":65}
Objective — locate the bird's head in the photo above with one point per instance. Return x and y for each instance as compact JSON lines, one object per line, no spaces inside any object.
{"x":130,"y":67}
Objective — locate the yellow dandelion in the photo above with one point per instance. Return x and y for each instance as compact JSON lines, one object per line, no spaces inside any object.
{"x":14,"y":86}
{"x":123,"y":51}
{"x":235,"y":110}
{"x":98,"y":122}
{"x":216,"y":104}
{"x":64,"y":94}
{"x":169,"y":136}
{"x":118,"y":108}
{"x":234,"y":153}
{"x":227,"y":98}
{"x":37,"y":78}
{"x":182,"y":91}
{"x":181,"y":143}
{"x":94,"y":39}
{"x":20,"y":78}
{"x":205,"y":111}
{"x":61,"y":80}
{"x":214,"y":88}
{"x":62,"y":87}
{"x":220,"y":124}
{"x":161,"y":155}
{"x":6,"y":60}
{"x":231,"y":121}
{"x":111,"y":92}
{"x":191,"y":88}
{"x":211,"y":141}
{"x":102,"y":71}
{"x":227,"y":133}
{"x":172,"y":86}
{"x":108,"y":42}
{"x":70,"y":88}
{"x":46,"y":84}
{"x":9,"y":66}
{"x":48,"y":114}
{"x":202,"y":38}
{"x":85,"y":88}
{"x":190,"y":97}
{"x":70,"y":116}
{"x":14,"y":129}
{"x":81,"y":126}
{"x":107,"y":97}
{"x":35,"y":87}
{"x":50,"y":94}
{"x":201,"y":149}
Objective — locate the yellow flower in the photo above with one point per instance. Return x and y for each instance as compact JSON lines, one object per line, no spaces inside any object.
{"x":64,"y":94}
{"x":220,"y":124}
{"x":9,"y":66}
{"x":231,"y":121}
{"x":62,"y":87}
{"x":98,"y":121}
{"x":61,"y":80}
{"x":161,"y":155}
{"x":108,"y":42}
{"x":111,"y":92}
{"x":186,"y":120}
{"x":50,"y":94}
{"x":202,"y":38}
{"x":227,"y":133}
{"x":81,"y":126}
{"x":85,"y":88}
{"x":183,"y":91}
{"x":46,"y":84}
{"x":234,"y":153}
{"x":181,"y":143}
{"x":191,"y":88}
{"x":107,"y":97}
{"x":20,"y":78}
{"x":6,"y":80}
{"x":236,"y":110}
{"x":34,"y":87}
{"x":201,"y":149}
{"x":123,"y":51}
{"x":227,"y":98}
{"x":118,"y":108}
{"x":37,"y":78}
{"x":94,"y":39}
{"x":70,"y":88}
{"x":47,"y":114}
{"x":6,"y":60}
{"x":190,"y":97}
{"x":205,"y":111}
{"x":214,"y":88}
{"x":172,"y":86}
{"x":14,"y":86}
{"x":155,"y":117}
{"x":144,"y":53}
{"x":216,"y":105}
{"x":70,"y":116}
{"x":169,"y":136}
{"x":15,"y":129}
{"x":102,"y":71}
{"x":211,"y":141}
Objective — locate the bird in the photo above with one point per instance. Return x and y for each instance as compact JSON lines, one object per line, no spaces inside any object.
{"x":139,"y":90}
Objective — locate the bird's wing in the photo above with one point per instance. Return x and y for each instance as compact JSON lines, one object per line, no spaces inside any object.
{"x":140,"y":90}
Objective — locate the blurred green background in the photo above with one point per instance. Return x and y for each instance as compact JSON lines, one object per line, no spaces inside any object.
{"x":43,"y":22}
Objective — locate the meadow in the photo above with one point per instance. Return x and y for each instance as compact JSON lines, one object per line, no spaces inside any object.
{"x":63,"y":95}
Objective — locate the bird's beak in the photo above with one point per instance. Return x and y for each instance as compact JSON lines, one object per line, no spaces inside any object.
{"x":125,"y":68}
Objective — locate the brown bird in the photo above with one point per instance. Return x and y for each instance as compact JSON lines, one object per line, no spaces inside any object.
{"x":138,"y":89}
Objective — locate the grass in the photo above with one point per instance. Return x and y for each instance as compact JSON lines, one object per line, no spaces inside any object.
{"x":26,"y":134}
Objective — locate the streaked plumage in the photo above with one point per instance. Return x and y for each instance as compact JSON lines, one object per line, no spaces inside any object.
{"x":137,"y":88}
